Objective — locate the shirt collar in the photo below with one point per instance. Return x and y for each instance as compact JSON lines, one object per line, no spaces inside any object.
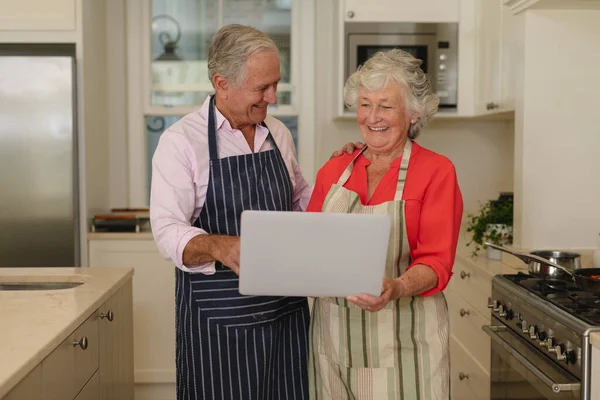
{"x":222,"y":122}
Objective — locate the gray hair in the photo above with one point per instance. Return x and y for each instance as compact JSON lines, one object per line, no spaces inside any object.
{"x":231,"y":47}
{"x":421,"y":103}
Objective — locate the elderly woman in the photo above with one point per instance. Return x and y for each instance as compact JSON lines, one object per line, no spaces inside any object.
{"x":394,"y":346}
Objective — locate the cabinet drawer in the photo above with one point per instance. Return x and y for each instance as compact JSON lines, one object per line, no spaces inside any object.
{"x":468,"y":380}
{"x":29,"y":388}
{"x":67,"y":369}
{"x":473,"y":285}
{"x":467,"y":327}
{"x":91,"y":390}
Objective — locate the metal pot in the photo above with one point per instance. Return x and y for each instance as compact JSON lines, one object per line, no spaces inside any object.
{"x":536,"y":263}
{"x":571,"y":261}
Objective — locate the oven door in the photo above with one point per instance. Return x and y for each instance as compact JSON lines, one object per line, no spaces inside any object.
{"x":518,"y":371}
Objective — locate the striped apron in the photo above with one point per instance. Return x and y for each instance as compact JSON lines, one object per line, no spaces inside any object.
{"x":231,"y":346}
{"x":400,"y":352}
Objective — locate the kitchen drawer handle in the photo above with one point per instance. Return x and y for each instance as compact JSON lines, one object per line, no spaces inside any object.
{"x":350,"y":14}
{"x":462,"y":376}
{"x":109,"y":315}
{"x":492,"y":332}
{"x":464,"y":274}
{"x":464,"y":312}
{"x":83,"y":343}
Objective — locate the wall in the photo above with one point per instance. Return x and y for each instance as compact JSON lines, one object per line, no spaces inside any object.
{"x":481,"y":150}
{"x":557,"y":185}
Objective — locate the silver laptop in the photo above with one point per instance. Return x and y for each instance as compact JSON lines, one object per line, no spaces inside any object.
{"x":312,"y":254}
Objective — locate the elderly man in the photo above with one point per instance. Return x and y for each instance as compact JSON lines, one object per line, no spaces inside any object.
{"x":227,"y":157}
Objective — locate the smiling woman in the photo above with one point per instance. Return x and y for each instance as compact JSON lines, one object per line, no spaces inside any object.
{"x":418,"y":190}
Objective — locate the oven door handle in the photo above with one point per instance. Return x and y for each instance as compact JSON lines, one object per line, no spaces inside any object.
{"x":492,"y":330}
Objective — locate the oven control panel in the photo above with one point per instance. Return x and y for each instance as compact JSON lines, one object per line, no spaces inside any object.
{"x":540,"y":330}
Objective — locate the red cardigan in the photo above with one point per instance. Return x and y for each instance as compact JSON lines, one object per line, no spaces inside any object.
{"x":433,"y":208}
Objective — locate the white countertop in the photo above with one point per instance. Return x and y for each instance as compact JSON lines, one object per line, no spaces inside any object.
{"x":35,"y":322}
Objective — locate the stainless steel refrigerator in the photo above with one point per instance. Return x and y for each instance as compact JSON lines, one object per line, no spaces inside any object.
{"x":39,"y":208}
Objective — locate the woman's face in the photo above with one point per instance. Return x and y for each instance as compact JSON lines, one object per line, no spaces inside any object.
{"x":382,"y":118}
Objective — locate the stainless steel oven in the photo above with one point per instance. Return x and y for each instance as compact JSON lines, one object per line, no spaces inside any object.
{"x":520,"y":372}
{"x":540,"y":345}
{"x":435,"y":44}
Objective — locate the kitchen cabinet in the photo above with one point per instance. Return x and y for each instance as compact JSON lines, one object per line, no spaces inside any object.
{"x":467,"y":296}
{"x":401,"y":11}
{"x":176,"y":50}
{"x":37,"y":15}
{"x":519,"y":6}
{"x":116,"y":346}
{"x":153,"y":305}
{"x":470,"y":350}
{"x":29,"y":388}
{"x":94,"y":362}
{"x":489,"y":40}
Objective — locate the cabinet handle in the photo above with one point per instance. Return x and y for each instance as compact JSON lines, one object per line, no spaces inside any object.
{"x":350,"y":14}
{"x":462,"y":376}
{"x":109,"y":315}
{"x":83,"y":343}
{"x":492,"y":106}
{"x":464,"y":312}
{"x":464,"y":274}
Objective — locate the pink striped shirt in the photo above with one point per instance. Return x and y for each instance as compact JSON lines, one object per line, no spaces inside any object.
{"x":180,"y":172}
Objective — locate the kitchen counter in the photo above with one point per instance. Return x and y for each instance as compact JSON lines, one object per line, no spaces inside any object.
{"x":35,"y":322}
{"x":595,"y":339}
{"x":508,"y":265}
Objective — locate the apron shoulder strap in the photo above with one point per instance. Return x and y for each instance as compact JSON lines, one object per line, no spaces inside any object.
{"x":348,"y":171}
{"x":403,"y":170}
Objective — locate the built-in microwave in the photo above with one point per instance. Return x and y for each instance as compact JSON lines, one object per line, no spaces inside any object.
{"x":436,"y":44}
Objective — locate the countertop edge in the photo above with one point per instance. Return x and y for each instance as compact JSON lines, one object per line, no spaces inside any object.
{"x":120,"y":236}
{"x":595,"y":339}
{"x":22,"y":371}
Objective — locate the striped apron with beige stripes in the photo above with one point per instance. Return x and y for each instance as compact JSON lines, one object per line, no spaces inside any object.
{"x":400,"y":352}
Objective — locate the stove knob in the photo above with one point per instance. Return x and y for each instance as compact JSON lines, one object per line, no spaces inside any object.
{"x":501,"y":311}
{"x":560,"y":354}
{"x":533,"y":332}
{"x":524,"y":326}
{"x":550,"y":345}
{"x":496,"y":306}
{"x":490,"y":303}
{"x":571,"y":357}
{"x":509,"y":315}
{"x":544,"y":339}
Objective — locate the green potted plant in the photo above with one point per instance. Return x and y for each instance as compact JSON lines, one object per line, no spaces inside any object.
{"x":493,"y":224}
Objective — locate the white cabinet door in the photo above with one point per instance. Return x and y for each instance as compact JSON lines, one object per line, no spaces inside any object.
{"x":401,"y":10}
{"x":153,"y":304}
{"x":37,"y":15}
{"x":488,"y":55}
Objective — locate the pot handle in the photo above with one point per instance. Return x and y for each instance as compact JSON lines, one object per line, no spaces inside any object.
{"x":527,"y":258}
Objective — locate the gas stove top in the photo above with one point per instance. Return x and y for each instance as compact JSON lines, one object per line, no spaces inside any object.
{"x":564,"y":294}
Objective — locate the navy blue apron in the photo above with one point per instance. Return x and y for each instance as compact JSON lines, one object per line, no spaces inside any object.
{"x":231,"y":346}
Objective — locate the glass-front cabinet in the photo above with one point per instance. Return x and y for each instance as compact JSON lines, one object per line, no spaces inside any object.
{"x":180,"y":34}
{"x":167,"y":57}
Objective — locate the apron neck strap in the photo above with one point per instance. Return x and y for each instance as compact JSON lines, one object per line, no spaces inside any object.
{"x":401,"y":175}
{"x":212,"y":131}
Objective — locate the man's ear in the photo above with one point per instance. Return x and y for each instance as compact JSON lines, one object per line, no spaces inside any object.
{"x":221,"y":85}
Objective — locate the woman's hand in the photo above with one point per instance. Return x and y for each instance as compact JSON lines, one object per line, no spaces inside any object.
{"x":392,"y":289}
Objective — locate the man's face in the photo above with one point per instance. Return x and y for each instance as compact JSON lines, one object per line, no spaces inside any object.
{"x":247,"y":105}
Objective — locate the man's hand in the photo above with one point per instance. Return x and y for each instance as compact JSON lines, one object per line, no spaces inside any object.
{"x":227,"y":251}
{"x":207,"y":248}
{"x":347,"y":148}
{"x":392,"y":289}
